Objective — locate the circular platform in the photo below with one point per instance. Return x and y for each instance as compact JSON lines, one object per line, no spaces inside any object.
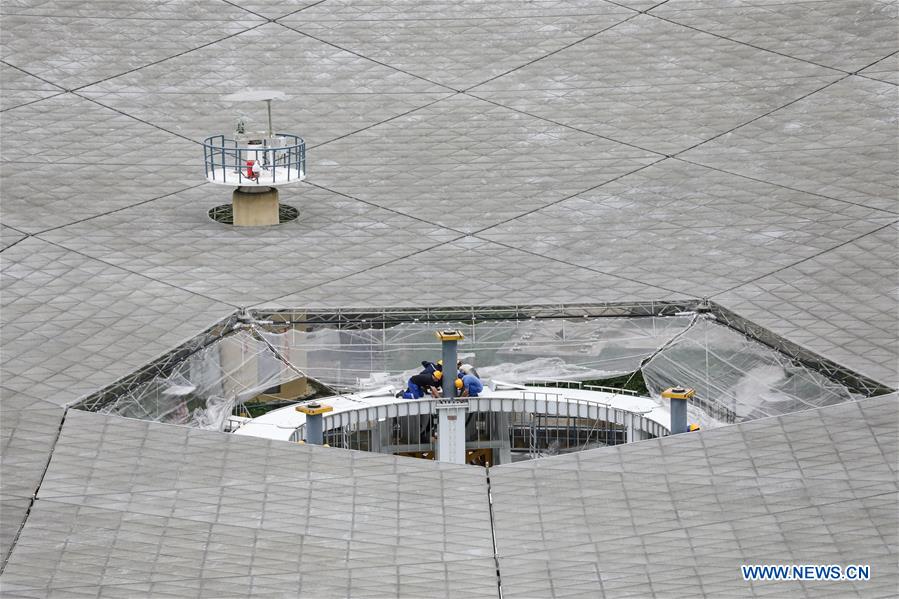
{"x":264,"y":161}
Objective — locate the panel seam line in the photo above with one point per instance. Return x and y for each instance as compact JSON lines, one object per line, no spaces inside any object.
{"x":499,"y":578}
{"x":12,"y":546}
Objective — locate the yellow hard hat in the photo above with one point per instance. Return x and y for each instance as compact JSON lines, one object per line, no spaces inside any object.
{"x":458,"y":383}
{"x":438,"y":374}
{"x":440,"y":362}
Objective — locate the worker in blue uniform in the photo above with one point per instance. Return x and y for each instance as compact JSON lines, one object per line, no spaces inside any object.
{"x":430,"y":367}
{"x":423,"y":383}
{"x":471,"y":386}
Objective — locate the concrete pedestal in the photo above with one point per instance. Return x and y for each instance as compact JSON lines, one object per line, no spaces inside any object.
{"x":255,"y":207}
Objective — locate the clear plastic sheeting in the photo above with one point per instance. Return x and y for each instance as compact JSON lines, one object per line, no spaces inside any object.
{"x":203,"y":389}
{"x":512,"y":351}
{"x":737,"y":378}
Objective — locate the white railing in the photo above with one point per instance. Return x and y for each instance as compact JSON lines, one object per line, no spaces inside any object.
{"x":529,"y":402}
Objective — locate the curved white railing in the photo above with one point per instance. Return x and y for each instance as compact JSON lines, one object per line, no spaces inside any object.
{"x":266,"y":161}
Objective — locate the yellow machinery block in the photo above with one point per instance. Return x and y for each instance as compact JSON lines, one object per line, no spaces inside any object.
{"x":314,"y":409}
{"x":452,"y":335}
{"x":678,"y":393}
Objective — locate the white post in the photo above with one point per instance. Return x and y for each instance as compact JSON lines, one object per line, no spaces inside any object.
{"x":505,"y":448}
{"x":630,"y":428}
{"x":451,"y":416}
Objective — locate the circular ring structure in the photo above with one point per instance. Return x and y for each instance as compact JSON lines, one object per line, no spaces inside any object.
{"x":224,"y":214}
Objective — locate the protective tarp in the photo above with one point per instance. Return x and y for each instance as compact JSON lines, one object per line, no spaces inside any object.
{"x":204,"y":388}
{"x":737,"y":378}
{"x":512,"y":351}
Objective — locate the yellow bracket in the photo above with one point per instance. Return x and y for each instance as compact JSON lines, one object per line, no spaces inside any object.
{"x":314,"y":409}
{"x":453,"y":335}
{"x":678,"y":393}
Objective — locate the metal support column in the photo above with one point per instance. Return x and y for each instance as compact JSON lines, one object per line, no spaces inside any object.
{"x":504,"y":454}
{"x":449,"y":339}
{"x":271,"y":131}
{"x":314,"y":421}
{"x":678,"y":397}
{"x":380,"y":436}
{"x":631,"y":437}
